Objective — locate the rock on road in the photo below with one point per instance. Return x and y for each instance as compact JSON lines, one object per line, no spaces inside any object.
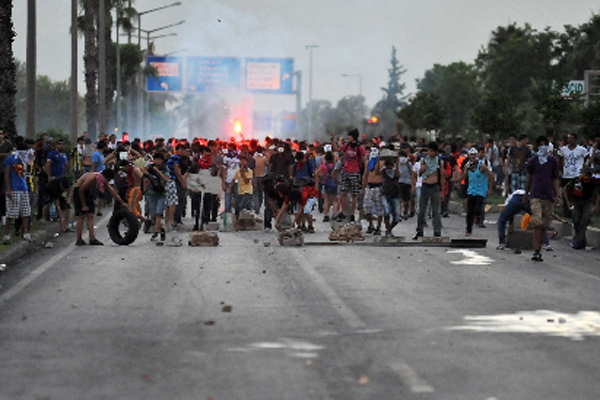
{"x":245,"y":321}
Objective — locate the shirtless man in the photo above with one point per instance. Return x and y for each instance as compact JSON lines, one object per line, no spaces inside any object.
{"x":83,"y":199}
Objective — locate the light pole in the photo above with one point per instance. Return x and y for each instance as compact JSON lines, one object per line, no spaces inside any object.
{"x":140,"y":91}
{"x":102,"y":70}
{"x":74,"y":95}
{"x":310,"y":48}
{"x":31,"y":67}
{"x":146,"y":103}
{"x":359,"y":76}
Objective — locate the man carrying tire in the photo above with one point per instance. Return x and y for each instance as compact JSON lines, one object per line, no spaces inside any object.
{"x":83,"y":200}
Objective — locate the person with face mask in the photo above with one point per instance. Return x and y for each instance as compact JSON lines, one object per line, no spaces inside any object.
{"x":542,"y":190}
{"x":480,"y":182}
{"x":581,"y":196}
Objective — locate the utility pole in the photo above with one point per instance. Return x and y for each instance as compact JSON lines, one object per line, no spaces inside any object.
{"x":310,"y":48}
{"x":119,"y":124}
{"x":74,"y":94}
{"x":298,"y":75}
{"x":102,"y":71}
{"x":31,"y":67}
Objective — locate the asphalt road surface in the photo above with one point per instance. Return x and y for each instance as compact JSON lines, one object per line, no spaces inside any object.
{"x":246,"y":321}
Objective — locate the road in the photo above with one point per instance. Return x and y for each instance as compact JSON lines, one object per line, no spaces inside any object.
{"x":245,"y":321}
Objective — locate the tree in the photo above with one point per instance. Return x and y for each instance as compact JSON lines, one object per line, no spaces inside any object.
{"x":392,"y":100}
{"x":8,"y":71}
{"x":495,"y":116}
{"x":424,"y":112}
{"x":53,"y":103}
{"x":457,"y":91}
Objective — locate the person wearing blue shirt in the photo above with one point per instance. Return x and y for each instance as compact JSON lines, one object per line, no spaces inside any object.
{"x":480,"y":181}
{"x":56,"y":162}
{"x":17,"y":194}
{"x":98,"y":166}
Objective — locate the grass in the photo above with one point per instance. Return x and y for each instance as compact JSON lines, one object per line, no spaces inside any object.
{"x":36,"y":226}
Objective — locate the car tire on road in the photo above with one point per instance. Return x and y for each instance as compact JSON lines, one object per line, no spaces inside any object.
{"x":123,"y":227}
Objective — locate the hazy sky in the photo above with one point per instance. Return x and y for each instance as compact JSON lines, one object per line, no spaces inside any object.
{"x":355,"y":37}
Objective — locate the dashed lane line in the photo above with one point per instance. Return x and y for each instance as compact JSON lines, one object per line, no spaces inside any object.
{"x":338,"y":304}
{"x":410,"y":377}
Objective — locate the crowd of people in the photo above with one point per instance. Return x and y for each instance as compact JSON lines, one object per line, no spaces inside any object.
{"x":380,"y":180}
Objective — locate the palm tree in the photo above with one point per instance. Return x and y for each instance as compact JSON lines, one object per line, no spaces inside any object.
{"x":88,"y":25}
{"x":8,"y":70}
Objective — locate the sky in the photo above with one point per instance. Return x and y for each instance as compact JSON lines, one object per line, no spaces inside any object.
{"x":354,"y":37}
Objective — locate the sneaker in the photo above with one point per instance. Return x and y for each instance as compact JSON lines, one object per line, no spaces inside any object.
{"x":80,"y":242}
{"x":417,"y":236}
{"x":6,"y":239}
{"x":377,"y":232}
{"x":163,"y":235}
{"x":437,"y":234}
{"x":98,"y":214}
{"x":482,"y":225}
{"x":27,"y":237}
{"x":537,"y":256}
{"x":352,"y":218}
{"x":389,"y":235}
{"x":467,"y":234}
{"x":326,"y":218}
{"x":96,"y":242}
{"x":268,"y":229}
{"x":371,"y":229}
{"x":547,"y":247}
{"x":154,"y":237}
{"x":501,"y":246}
{"x":446,"y":215}
{"x":311,"y":229}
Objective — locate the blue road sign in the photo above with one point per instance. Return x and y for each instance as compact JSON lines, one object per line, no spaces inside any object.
{"x":270,"y":75}
{"x":213,"y":74}
{"x":170,"y":74}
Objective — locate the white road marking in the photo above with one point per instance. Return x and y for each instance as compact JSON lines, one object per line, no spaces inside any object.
{"x":33,"y":275}
{"x":544,"y":322}
{"x":470,"y":258}
{"x":410,"y":377}
{"x":39,"y":271}
{"x":340,"y":307}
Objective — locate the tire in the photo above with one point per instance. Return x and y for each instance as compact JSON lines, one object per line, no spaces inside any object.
{"x":120,"y":233}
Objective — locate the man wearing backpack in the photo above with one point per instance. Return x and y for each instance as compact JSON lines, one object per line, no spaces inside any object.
{"x":431,"y":189}
{"x":156,"y":196}
{"x":328,"y":175}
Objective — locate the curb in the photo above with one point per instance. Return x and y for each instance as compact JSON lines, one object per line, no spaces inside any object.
{"x":19,"y":250}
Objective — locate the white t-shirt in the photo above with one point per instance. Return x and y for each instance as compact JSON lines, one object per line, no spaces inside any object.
{"x":232,"y":164}
{"x":416,"y":169}
{"x":573,"y":160}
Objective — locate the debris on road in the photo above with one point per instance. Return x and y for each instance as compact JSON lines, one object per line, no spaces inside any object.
{"x":347,"y":233}
{"x":364,"y":380}
{"x":203,"y":239}
{"x":226,"y":309}
{"x":291,"y":238}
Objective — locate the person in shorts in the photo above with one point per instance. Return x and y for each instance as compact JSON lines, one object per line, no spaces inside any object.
{"x":17,"y":194}
{"x":542,"y":190}
{"x":83,"y":201}
{"x":351,"y":182}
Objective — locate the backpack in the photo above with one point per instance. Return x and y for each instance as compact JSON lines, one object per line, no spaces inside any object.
{"x":330,"y":183}
{"x":156,"y":183}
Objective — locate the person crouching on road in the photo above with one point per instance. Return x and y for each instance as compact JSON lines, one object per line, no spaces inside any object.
{"x":83,"y":199}
{"x":290,"y":196}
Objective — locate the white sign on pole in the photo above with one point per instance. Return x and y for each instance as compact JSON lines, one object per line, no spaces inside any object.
{"x":573,"y":88}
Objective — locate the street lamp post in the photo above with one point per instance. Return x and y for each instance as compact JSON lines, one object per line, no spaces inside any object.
{"x":102,"y":70}
{"x":359,"y":76}
{"x":74,"y":95}
{"x":31,"y":67}
{"x":146,"y":103}
{"x":310,"y":47}
{"x":140,"y":91}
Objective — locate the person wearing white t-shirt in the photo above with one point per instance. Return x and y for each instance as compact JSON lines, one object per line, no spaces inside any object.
{"x":572,"y":158}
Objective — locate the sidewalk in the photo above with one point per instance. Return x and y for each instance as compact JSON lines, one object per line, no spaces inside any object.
{"x":18,"y":248}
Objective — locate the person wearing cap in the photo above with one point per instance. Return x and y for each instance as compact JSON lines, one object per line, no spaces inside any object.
{"x":480,"y":181}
